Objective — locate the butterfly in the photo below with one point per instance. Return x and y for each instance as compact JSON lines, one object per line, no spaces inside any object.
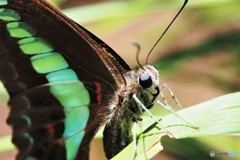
{"x":65,"y":83}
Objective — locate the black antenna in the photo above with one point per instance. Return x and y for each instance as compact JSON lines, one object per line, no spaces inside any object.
{"x":136,"y":44}
{"x":184,"y":4}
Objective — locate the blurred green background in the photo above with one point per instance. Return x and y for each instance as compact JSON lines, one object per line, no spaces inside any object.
{"x":199,"y":57}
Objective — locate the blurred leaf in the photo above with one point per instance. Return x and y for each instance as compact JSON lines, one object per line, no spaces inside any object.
{"x":4,"y":97}
{"x":6,"y":143}
{"x":56,"y":2}
{"x":225,"y":41}
{"x":117,"y":10}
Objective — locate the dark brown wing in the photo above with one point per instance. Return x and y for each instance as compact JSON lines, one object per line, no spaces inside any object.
{"x":90,"y":58}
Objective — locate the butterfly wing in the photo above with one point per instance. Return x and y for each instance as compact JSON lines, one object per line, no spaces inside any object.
{"x":46,"y":128}
{"x":78,"y":46}
{"x":40,"y":46}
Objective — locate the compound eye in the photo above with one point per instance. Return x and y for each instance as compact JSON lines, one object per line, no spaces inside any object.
{"x":145,"y":80}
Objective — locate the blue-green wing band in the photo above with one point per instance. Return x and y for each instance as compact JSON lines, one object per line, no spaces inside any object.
{"x":41,"y":122}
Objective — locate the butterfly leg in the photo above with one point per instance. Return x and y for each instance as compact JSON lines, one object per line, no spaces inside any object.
{"x":134,"y":140}
{"x":157,"y":120}
{"x":166,"y":106}
{"x":135,"y":126}
{"x":165,"y":85}
{"x":145,"y":108}
{"x":174,"y":113}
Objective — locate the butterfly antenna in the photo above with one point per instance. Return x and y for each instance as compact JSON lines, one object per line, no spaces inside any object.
{"x":138,"y":46}
{"x":184,"y":4}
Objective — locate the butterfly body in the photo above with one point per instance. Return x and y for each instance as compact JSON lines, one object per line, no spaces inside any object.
{"x":128,"y":111}
{"x":64,"y":83}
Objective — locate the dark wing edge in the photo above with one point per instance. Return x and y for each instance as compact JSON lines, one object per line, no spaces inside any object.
{"x":115,"y":64}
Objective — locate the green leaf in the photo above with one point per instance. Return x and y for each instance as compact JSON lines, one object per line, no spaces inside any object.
{"x":6,"y":144}
{"x":4,"y":97}
{"x":214,"y":117}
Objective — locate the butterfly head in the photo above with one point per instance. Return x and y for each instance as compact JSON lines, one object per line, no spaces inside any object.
{"x":144,"y":82}
{"x":148,"y":80}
